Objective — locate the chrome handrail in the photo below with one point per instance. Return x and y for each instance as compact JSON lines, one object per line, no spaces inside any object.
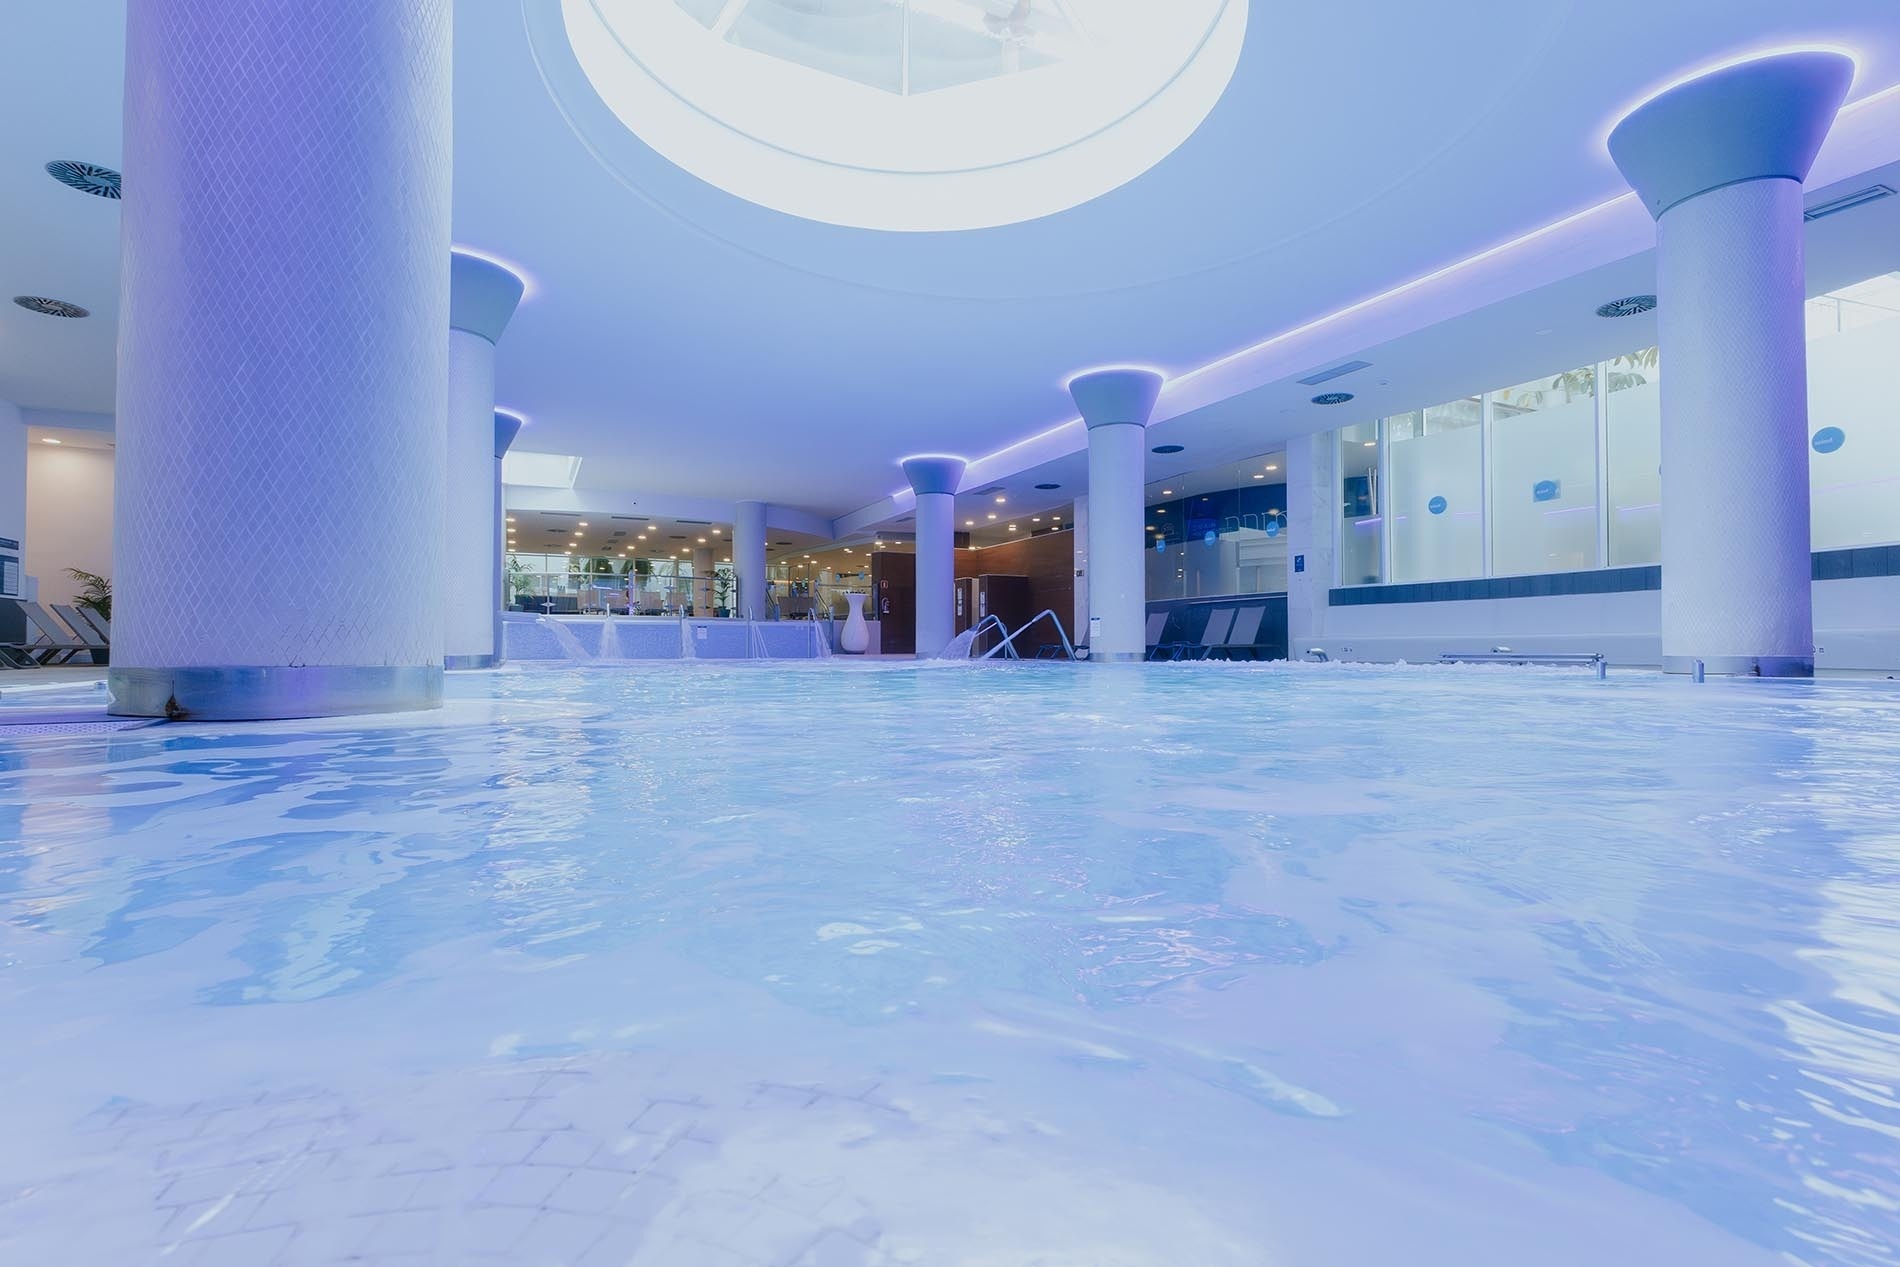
{"x":1009,"y":642}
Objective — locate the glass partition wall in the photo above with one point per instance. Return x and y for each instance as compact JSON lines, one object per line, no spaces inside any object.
{"x":1219,"y":531}
{"x":1564,"y":473}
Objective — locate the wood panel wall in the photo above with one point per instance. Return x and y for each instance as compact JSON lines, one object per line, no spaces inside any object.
{"x":1048,"y":561}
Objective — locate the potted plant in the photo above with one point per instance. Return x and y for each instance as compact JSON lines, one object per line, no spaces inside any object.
{"x":95,"y":595}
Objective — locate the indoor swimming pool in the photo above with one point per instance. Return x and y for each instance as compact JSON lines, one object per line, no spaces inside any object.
{"x":857,"y":965}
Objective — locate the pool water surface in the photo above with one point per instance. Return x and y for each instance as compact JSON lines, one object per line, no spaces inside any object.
{"x":855,"y":965}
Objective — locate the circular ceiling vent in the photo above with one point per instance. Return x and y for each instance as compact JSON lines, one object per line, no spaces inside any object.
{"x":1332,"y":398}
{"x":1048,"y":487}
{"x":50,"y":307}
{"x":87,"y":178}
{"x":1630,"y":306}
{"x":1168,"y":448}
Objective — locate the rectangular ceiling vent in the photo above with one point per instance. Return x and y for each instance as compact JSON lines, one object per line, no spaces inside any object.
{"x":632,"y":519}
{"x":561,"y":514}
{"x":1873,"y":193}
{"x":991,"y":491}
{"x":698,"y":523}
{"x":1338,"y":371}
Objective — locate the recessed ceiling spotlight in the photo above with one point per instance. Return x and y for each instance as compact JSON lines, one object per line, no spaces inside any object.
{"x":1372,"y":444}
{"x":581,"y":523}
{"x":1332,"y":398}
{"x":1273,"y":466}
{"x":48,"y":440}
{"x":87,"y":178}
{"x":969,"y":523}
{"x":1260,"y":477}
{"x":1035,"y":519}
{"x":1168,"y":448}
{"x":702,"y":541}
{"x":1001,"y":500}
{"x":1628,"y":306}
{"x":50,"y":307}
{"x":1048,"y":487}
{"x":992,"y":516}
{"x":1167,"y":492}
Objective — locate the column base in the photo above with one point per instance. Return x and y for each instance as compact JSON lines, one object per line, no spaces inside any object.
{"x":1116,"y":657}
{"x":242,"y":693}
{"x":1741,"y":666}
{"x":458,"y":663}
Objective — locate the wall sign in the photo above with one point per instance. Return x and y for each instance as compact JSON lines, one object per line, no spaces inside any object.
{"x":1209,"y":537}
{"x":1437,"y":505}
{"x":1161,"y":546}
{"x":1547,"y":490}
{"x":1829,"y":440}
{"x":1299,"y":563}
{"x":1273,"y":527}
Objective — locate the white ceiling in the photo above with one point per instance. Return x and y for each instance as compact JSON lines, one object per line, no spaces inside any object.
{"x":687,"y":344}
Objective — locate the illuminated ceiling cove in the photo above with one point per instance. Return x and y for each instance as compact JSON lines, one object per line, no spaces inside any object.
{"x":910,"y":115}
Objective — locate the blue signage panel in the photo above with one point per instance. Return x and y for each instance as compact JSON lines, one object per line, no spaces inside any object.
{"x":1161,"y":547}
{"x":1273,"y":527}
{"x":1546,"y":491}
{"x":1299,"y":563}
{"x":1437,"y":505}
{"x":1829,"y":440}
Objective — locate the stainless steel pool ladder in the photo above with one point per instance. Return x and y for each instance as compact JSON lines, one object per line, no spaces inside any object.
{"x":1008,"y":644}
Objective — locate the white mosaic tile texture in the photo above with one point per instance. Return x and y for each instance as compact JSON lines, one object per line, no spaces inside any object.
{"x":282,"y":367}
{"x":470,"y":527}
{"x":1735,"y":438}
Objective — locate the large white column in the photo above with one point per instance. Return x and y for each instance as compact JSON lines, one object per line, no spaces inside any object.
{"x":1720,"y":162}
{"x":283,"y":370}
{"x":934,"y":478}
{"x":482,"y":299}
{"x":748,"y":561}
{"x":507,"y":427}
{"x":1079,"y":537}
{"x":1312,"y":518}
{"x":1116,"y":405}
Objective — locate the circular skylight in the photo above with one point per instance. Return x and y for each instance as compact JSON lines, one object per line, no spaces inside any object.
{"x":910,"y":114}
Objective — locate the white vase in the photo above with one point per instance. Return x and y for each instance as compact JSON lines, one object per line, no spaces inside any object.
{"x":855,"y":637}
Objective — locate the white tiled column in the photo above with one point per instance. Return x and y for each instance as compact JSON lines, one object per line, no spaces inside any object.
{"x":1116,"y":405}
{"x":482,"y":299}
{"x":934,"y":478}
{"x":1079,"y":533}
{"x":748,"y":561}
{"x":1720,"y":162}
{"x":283,"y":366}
{"x":1312,"y":509}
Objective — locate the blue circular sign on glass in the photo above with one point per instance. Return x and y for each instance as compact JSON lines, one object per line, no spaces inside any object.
{"x":1437,"y":505}
{"x":1209,"y":537}
{"x":1273,"y":527}
{"x":1829,"y":439}
{"x":1161,"y":547}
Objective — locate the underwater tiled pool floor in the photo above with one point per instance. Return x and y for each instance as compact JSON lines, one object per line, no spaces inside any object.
{"x":860,"y":965}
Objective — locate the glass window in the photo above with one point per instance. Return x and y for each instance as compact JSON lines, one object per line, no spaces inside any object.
{"x":1633,"y":408}
{"x":1544,"y":466}
{"x":1361,"y":548}
{"x":1218,"y":531}
{"x":1853,"y":439}
{"x":1437,"y":467}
